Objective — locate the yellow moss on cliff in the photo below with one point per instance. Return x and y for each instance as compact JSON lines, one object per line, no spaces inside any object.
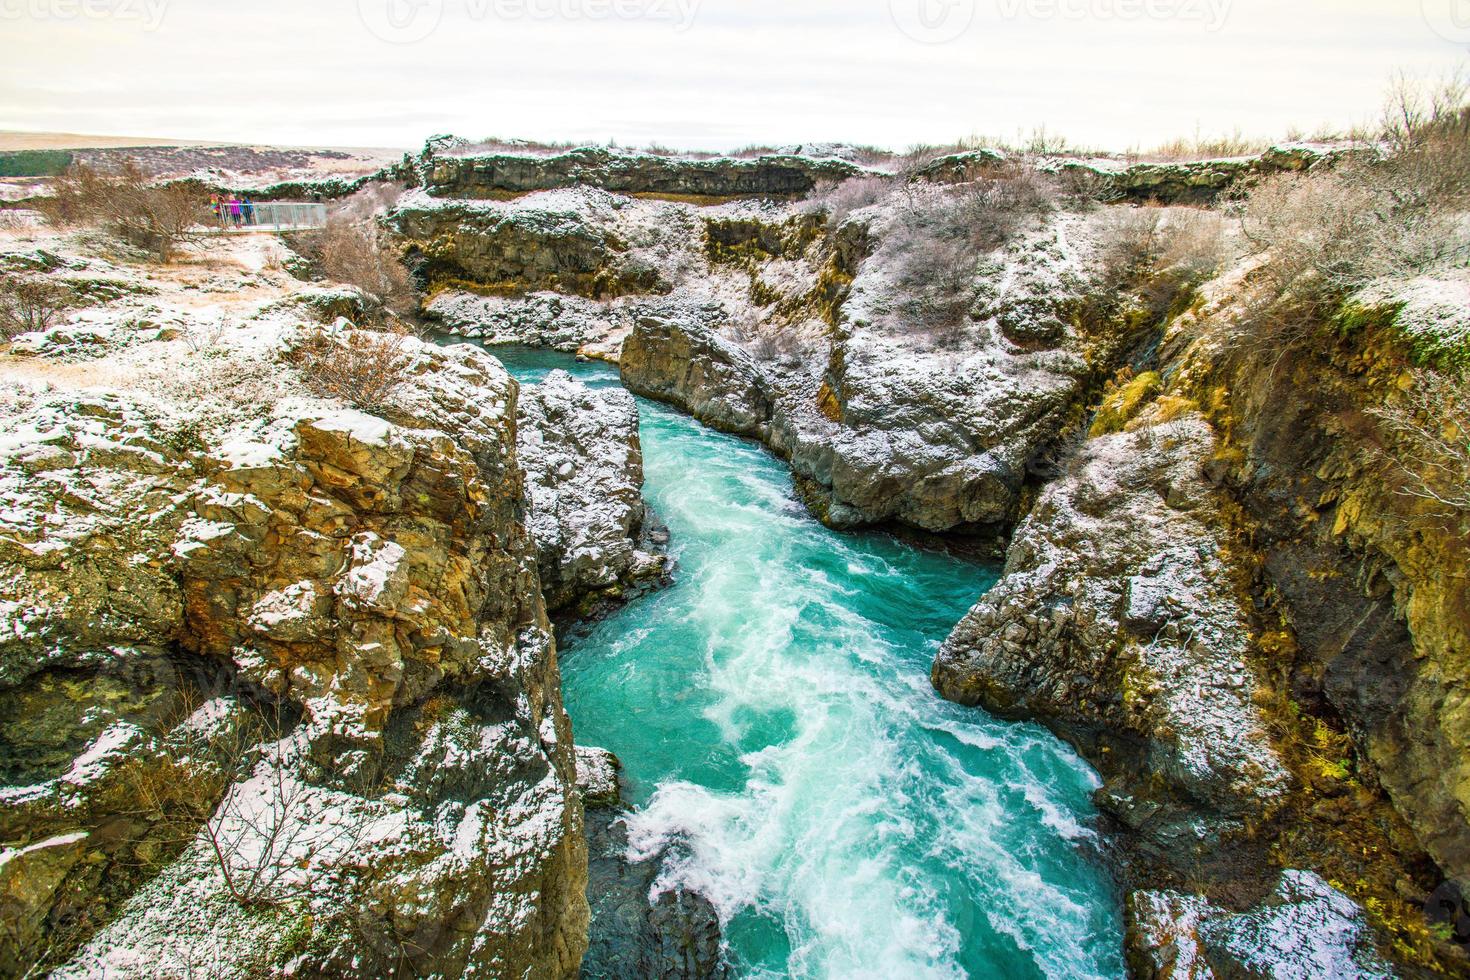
{"x":827,"y":404}
{"x":1121,"y":402}
{"x":1339,"y":820}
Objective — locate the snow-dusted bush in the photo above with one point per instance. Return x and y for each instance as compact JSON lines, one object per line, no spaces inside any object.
{"x":349,"y":250}
{"x":159,"y":218}
{"x":29,"y":305}
{"x":841,"y":198}
{"x":940,"y":233}
{"x":1158,"y":252}
{"x":1386,"y":213}
{"x":363,"y":368}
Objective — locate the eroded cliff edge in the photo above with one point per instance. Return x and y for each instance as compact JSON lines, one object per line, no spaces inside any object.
{"x":1242,"y":585}
{"x":279,"y":689}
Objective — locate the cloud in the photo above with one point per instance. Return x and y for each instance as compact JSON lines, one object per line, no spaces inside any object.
{"x":743,"y":71}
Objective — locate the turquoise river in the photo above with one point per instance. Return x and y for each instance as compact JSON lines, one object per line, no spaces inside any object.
{"x":773,"y":713}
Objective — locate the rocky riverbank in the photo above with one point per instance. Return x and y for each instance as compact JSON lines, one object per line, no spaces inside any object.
{"x":1212,"y":597}
{"x":280,"y":691}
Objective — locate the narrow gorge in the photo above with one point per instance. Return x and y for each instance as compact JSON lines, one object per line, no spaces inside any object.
{"x":988,"y":564}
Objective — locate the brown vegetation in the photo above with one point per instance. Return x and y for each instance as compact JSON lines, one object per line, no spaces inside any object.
{"x":1160,"y":253}
{"x":29,"y":304}
{"x":350,"y":250}
{"x":363,"y":368}
{"x":159,"y":218}
{"x":941,"y":233}
{"x":1384,"y":214}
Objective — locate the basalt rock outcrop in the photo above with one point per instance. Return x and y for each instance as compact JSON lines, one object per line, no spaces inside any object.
{"x":777,"y":323}
{"x":1119,"y":623}
{"x":564,"y":241}
{"x":1182,"y":182}
{"x":1241,"y":619}
{"x":292,"y":699}
{"x":682,"y":361}
{"x":541,"y":319}
{"x":895,"y":424}
{"x":584,"y":488}
{"x":485,"y":175}
{"x":1371,"y":578}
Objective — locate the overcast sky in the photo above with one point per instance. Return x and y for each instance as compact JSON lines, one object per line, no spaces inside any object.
{"x":710,"y":74}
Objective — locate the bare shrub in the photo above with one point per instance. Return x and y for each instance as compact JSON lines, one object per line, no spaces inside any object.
{"x":987,"y":213}
{"x":1165,"y":247}
{"x":1323,"y":236}
{"x":1082,"y":186}
{"x":940,"y":233}
{"x":204,"y":335}
{"x":1430,"y":438}
{"x":19,"y":219}
{"x":363,"y":368}
{"x":262,"y":839}
{"x":763,"y":348}
{"x":231,"y":786}
{"x":30,"y":304}
{"x":1149,"y":261}
{"x":492,"y":144}
{"x":158,"y":218}
{"x":351,"y":251}
{"x":841,"y":198}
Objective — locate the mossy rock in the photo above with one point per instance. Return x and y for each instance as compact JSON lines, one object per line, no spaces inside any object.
{"x":1123,"y":403}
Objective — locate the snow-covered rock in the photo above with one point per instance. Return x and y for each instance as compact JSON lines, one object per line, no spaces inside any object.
{"x":1304,"y":930}
{"x":1118,"y":624}
{"x":566,"y":240}
{"x":678,"y":358}
{"x":310,"y":631}
{"x":480,"y":175}
{"x":584,"y":487}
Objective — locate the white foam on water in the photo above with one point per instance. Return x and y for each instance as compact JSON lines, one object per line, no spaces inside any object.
{"x":888,"y":833}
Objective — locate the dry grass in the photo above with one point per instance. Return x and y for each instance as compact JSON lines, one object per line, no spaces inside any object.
{"x":1199,"y":147}
{"x":493,"y":144}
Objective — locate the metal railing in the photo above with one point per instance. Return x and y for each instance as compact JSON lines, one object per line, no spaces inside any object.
{"x":268,"y":216}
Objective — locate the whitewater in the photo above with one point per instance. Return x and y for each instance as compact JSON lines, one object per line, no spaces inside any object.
{"x":785,"y":752}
